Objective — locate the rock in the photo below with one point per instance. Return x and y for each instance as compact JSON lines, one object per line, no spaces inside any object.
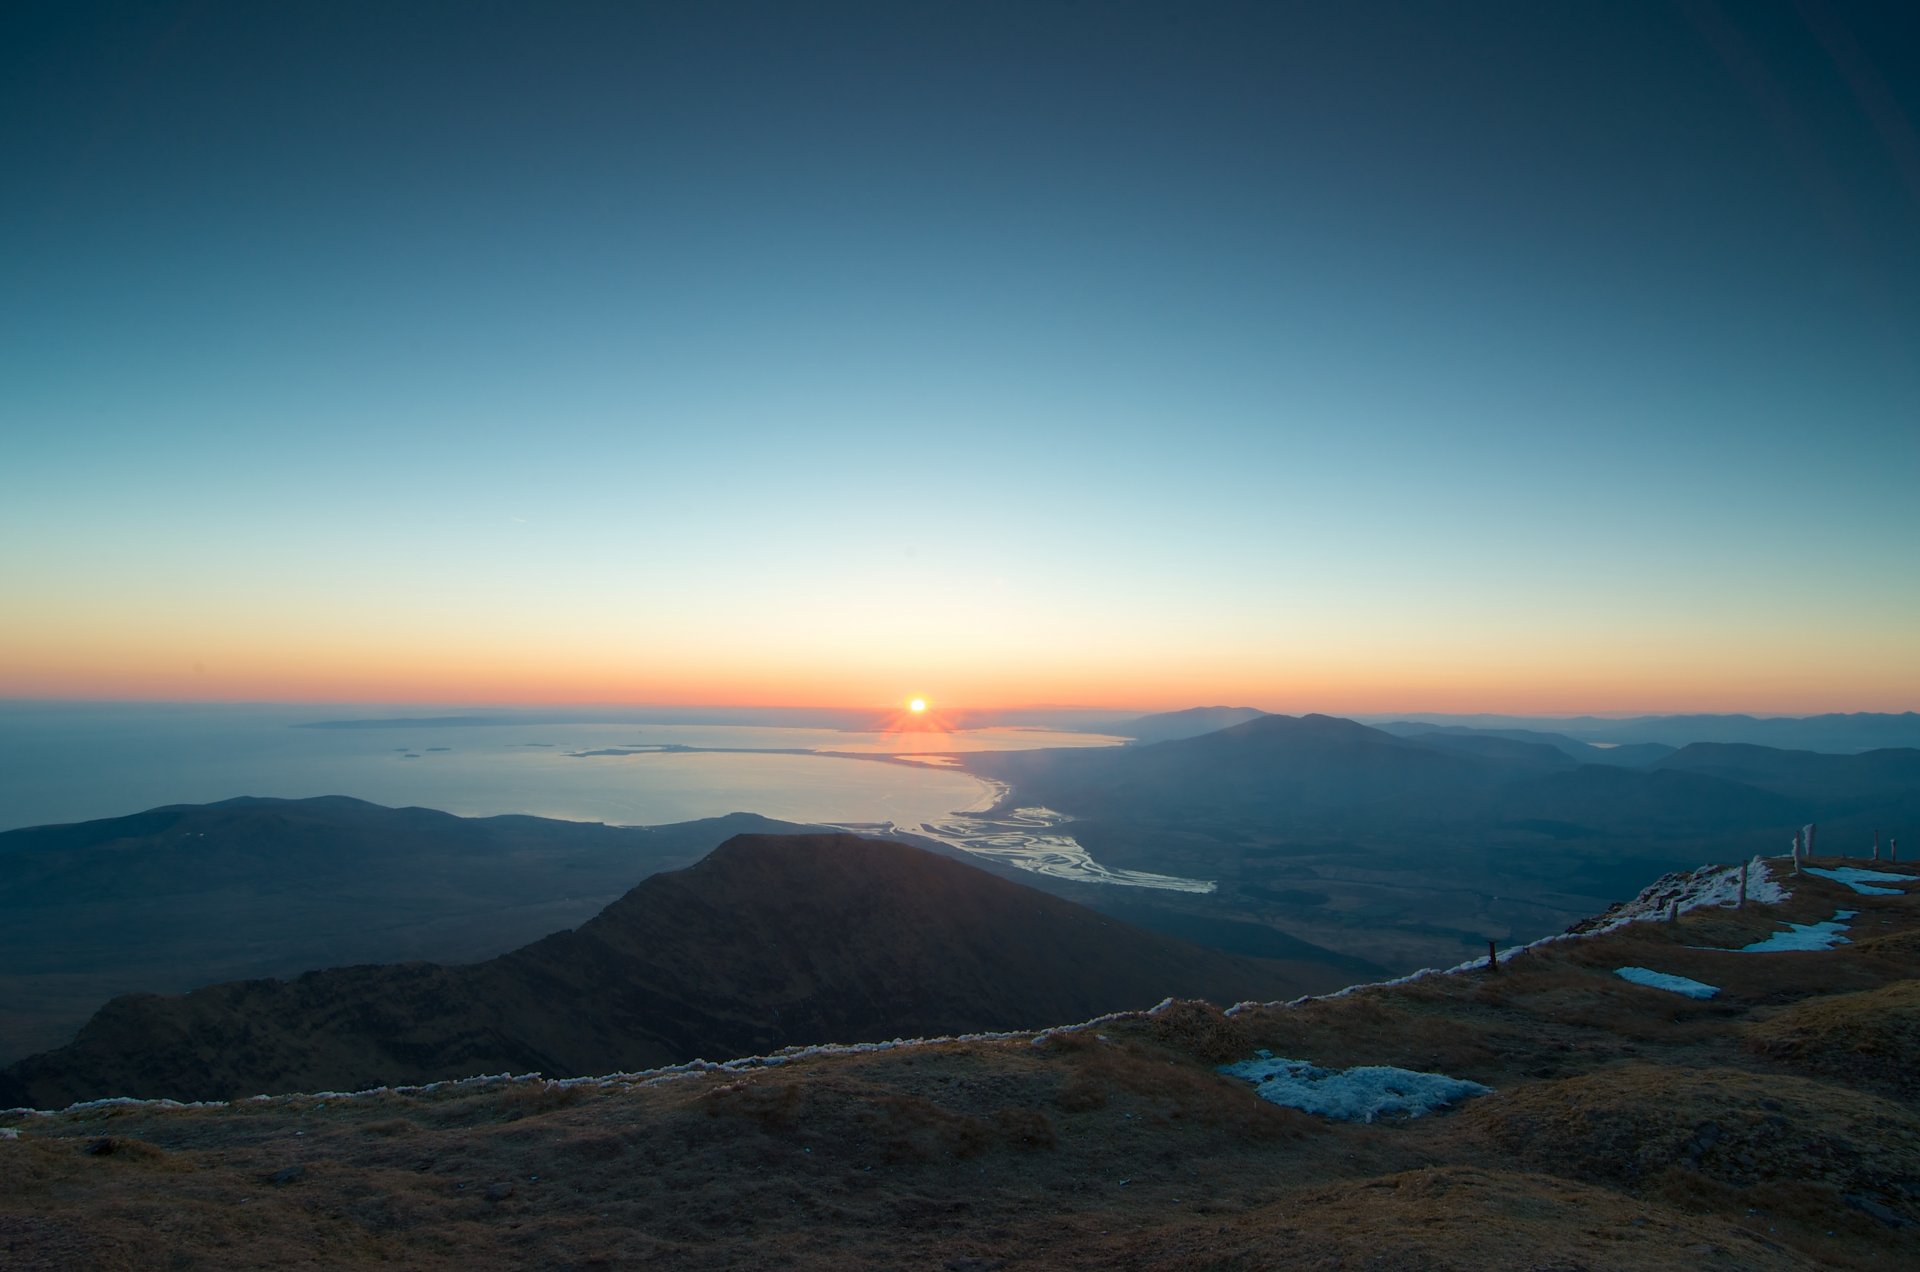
{"x":499,"y":1192}
{"x":288,"y":1175}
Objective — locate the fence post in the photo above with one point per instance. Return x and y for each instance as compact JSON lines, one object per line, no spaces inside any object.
{"x":1746,"y":869}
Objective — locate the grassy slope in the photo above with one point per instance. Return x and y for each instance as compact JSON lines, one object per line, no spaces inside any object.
{"x":1769,"y":1128}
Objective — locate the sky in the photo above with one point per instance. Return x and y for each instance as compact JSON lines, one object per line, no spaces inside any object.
{"x":1515,"y":357}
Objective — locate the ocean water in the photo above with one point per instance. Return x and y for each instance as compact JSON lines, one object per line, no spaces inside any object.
{"x":76,"y":762}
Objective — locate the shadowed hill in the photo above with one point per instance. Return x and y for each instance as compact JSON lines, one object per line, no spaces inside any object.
{"x":1278,"y":769}
{"x":189,"y":894}
{"x":1408,"y":850}
{"x":1630,"y":755}
{"x":1832,"y":780}
{"x":1657,"y":803}
{"x":1834,"y":731}
{"x":1520,"y":753}
{"x":1166,"y":726}
{"x":1769,"y":1128}
{"x":771,"y":941}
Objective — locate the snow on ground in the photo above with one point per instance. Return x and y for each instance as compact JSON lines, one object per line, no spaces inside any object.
{"x":1663,"y":980}
{"x":1805,"y":936}
{"x":1359,"y":1094}
{"x":1691,"y":890}
{"x":8,"y":1132}
{"x":1686,"y":890}
{"x":1862,"y":881}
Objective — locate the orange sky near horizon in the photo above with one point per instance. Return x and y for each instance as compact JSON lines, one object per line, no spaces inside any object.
{"x":1501,"y":362}
{"x":1364,"y":682}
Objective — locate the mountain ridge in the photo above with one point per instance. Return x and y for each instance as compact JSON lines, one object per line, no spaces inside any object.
{"x":1767,"y":1129}
{"x":766,"y":942}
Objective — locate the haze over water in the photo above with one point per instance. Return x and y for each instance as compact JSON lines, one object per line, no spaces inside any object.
{"x":61,"y":763}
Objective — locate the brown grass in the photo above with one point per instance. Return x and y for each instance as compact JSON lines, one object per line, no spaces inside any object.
{"x":1630,"y":1130}
{"x":1630,"y":1124}
{"x":1871,"y":1037}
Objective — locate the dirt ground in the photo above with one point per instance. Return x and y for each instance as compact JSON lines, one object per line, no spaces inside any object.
{"x":1771,"y":1126}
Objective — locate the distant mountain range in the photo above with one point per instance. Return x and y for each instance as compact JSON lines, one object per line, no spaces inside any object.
{"x":1342,"y":850}
{"x":1487,"y":742}
{"x":1836,"y":731}
{"x":1166,"y":726}
{"x":768,"y":942}
{"x":1285,"y":771}
{"x":1419,"y":847}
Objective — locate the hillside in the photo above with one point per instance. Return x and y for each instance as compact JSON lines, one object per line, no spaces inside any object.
{"x":188,"y":894}
{"x":1889,"y":778}
{"x":1770,"y":1127}
{"x":769,"y":941}
{"x":1832,"y":731}
{"x":1284,"y":771}
{"x":1411,"y":850}
{"x":1630,"y":755}
{"x":1165,"y":726}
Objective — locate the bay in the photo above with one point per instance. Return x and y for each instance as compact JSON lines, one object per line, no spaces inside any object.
{"x":64,"y":762}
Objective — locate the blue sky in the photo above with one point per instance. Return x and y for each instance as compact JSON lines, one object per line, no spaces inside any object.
{"x":1344,"y":357}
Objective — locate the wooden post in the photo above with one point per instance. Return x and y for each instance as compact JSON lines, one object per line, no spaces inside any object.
{"x":1893,"y":851}
{"x":1876,"y":843}
{"x":1673,"y":910}
{"x":1796,"y":852}
{"x":1493,"y":958}
{"x":1745,"y":870}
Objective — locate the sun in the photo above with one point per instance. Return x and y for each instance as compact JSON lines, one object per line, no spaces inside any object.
{"x":917,"y":706}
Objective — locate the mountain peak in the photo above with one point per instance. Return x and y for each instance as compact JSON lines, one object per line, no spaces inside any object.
{"x":769,"y":941}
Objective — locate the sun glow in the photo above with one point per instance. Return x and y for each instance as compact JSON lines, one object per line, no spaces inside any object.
{"x":917,"y":706}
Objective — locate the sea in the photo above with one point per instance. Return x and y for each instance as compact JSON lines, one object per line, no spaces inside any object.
{"x":67,"y":762}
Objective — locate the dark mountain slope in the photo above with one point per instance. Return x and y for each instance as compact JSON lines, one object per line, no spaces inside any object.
{"x":1166,"y":726}
{"x":1521,"y":754}
{"x":1631,"y":755}
{"x":769,"y":942}
{"x":1661,"y":803}
{"x":1813,"y":775}
{"x":190,"y":894}
{"x":1276,"y":770}
{"x":1281,"y":772}
{"x":1402,"y":849}
{"x":1838,"y":732}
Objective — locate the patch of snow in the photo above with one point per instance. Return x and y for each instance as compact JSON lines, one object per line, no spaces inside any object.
{"x":1689,"y":889}
{"x":1805,"y":936}
{"x":9,"y":1132}
{"x":119,"y":1101}
{"x":1662,"y":980}
{"x":1862,"y":881}
{"x":1359,"y":1094}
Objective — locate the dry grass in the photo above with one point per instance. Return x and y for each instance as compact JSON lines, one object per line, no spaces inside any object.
{"x":1631,"y":1129}
{"x":1871,"y":1037}
{"x":1460,"y":1219}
